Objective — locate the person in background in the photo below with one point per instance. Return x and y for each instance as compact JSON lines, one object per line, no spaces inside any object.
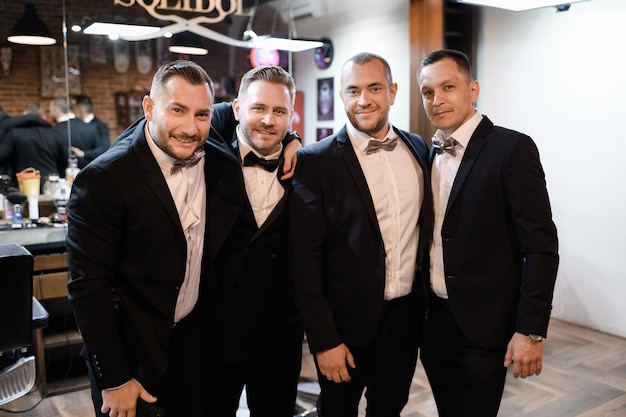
{"x":83,"y":109}
{"x":30,"y":141}
{"x":494,"y":252}
{"x":4,"y":166}
{"x":136,"y":243}
{"x":84,"y":136}
{"x":254,"y":335}
{"x":360,"y":216}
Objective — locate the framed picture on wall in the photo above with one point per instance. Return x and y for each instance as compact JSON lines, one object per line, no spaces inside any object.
{"x":325,"y":99}
{"x":53,"y":71}
{"x":323,"y":132}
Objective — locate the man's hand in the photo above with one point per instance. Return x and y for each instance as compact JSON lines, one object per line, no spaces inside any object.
{"x":78,"y":152}
{"x":289,"y":166}
{"x":525,"y":354}
{"x":332,"y":363}
{"x":122,"y":401}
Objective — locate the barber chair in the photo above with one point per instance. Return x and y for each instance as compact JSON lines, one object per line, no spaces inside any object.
{"x":20,"y":314}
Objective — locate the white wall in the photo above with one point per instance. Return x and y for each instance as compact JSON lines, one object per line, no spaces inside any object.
{"x":561,"y":78}
{"x":354,"y":26}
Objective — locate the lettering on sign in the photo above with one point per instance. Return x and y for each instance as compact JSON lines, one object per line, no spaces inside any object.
{"x":213,"y":11}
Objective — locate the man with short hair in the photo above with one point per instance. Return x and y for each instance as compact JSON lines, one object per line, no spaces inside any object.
{"x":83,"y":108}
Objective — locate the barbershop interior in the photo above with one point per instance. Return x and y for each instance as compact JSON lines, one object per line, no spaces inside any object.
{"x":552,"y":71}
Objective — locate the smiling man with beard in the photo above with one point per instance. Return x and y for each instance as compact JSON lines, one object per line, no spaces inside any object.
{"x":360,"y":216}
{"x":136,"y":238}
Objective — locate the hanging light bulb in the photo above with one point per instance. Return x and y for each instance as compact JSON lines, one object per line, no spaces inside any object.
{"x":30,"y":29}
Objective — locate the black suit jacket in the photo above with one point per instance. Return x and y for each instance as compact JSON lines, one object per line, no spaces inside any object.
{"x":84,"y":136}
{"x":499,"y":241}
{"x":252,"y":313}
{"x":103,"y":142}
{"x":30,"y":141}
{"x":338,"y":251}
{"x":125,"y":234}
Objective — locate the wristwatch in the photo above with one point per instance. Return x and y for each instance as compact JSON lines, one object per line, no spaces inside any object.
{"x":535,"y":338}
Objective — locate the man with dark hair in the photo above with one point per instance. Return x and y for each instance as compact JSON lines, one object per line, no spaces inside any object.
{"x":360,"y":220}
{"x":136,"y":252}
{"x":83,"y":135}
{"x":494,"y":252}
{"x":83,"y":108}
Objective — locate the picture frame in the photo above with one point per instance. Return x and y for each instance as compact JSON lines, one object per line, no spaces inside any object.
{"x":325,"y":99}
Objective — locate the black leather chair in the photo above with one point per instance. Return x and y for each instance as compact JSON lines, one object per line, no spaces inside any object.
{"x":20,"y":314}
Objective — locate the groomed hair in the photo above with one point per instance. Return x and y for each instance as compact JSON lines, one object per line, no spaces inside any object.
{"x":269,"y":73}
{"x":365,"y":57}
{"x":62,"y":105}
{"x":461,"y":60}
{"x":35,"y":107}
{"x":84,"y":102}
{"x":188,"y":70}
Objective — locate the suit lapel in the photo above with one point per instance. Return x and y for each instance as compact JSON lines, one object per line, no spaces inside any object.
{"x":152,"y":174}
{"x":475,"y":145}
{"x":345,"y":149}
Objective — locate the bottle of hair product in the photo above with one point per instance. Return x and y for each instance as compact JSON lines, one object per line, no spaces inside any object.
{"x":71,"y":170}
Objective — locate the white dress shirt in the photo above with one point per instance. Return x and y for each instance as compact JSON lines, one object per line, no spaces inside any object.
{"x":394,"y":179}
{"x":263,"y":188}
{"x":188,"y":189}
{"x":445,"y":167}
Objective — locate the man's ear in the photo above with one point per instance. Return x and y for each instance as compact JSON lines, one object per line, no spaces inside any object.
{"x":148,"y":108}
{"x":236,"y":108}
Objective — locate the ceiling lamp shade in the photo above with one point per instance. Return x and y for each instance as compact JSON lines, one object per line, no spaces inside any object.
{"x":119,"y":29}
{"x":187,"y":43}
{"x":518,"y":5}
{"x":284,"y":44}
{"x":30,"y":29}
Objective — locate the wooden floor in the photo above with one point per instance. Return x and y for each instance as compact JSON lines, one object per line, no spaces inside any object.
{"x":584,"y":375}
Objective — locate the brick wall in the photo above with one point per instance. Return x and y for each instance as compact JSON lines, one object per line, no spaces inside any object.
{"x":101,"y":81}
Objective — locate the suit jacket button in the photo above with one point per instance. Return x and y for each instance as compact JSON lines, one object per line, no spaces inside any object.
{"x":274,"y":256}
{"x":451,"y":276}
{"x":246,"y":251}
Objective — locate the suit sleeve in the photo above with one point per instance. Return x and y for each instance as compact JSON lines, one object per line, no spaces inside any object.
{"x":531,"y":215}
{"x":307,"y":234}
{"x":103,"y":142}
{"x":94,"y":233}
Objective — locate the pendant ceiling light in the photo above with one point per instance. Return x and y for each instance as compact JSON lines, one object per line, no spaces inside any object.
{"x":187,"y":43}
{"x":30,"y":29}
{"x":519,"y":5}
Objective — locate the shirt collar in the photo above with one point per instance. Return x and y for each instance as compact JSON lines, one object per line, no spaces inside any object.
{"x":66,"y":117}
{"x":165,"y":161}
{"x":360,"y":140}
{"x":464,"y":132}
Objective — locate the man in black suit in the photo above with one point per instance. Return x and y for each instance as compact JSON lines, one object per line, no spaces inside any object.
{"x":84,"y":136}
{"x":360,"y":220}
{"x":493,"y":259}
{"x":83,"y":108}
{"x":136,"y":244}
{"x":254,"y":334}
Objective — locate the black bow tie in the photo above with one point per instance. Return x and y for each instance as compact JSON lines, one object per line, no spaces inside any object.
{"x":375,"y":145}
{"x":189,"y":162}
{"x":445,"y":146}
{"x":251,"y":159}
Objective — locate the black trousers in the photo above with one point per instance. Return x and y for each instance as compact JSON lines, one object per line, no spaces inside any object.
{"x":181,"y":390}
{"x":271,"y":385}
{"x":467,"y":380}
{"x":384,"y":368}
